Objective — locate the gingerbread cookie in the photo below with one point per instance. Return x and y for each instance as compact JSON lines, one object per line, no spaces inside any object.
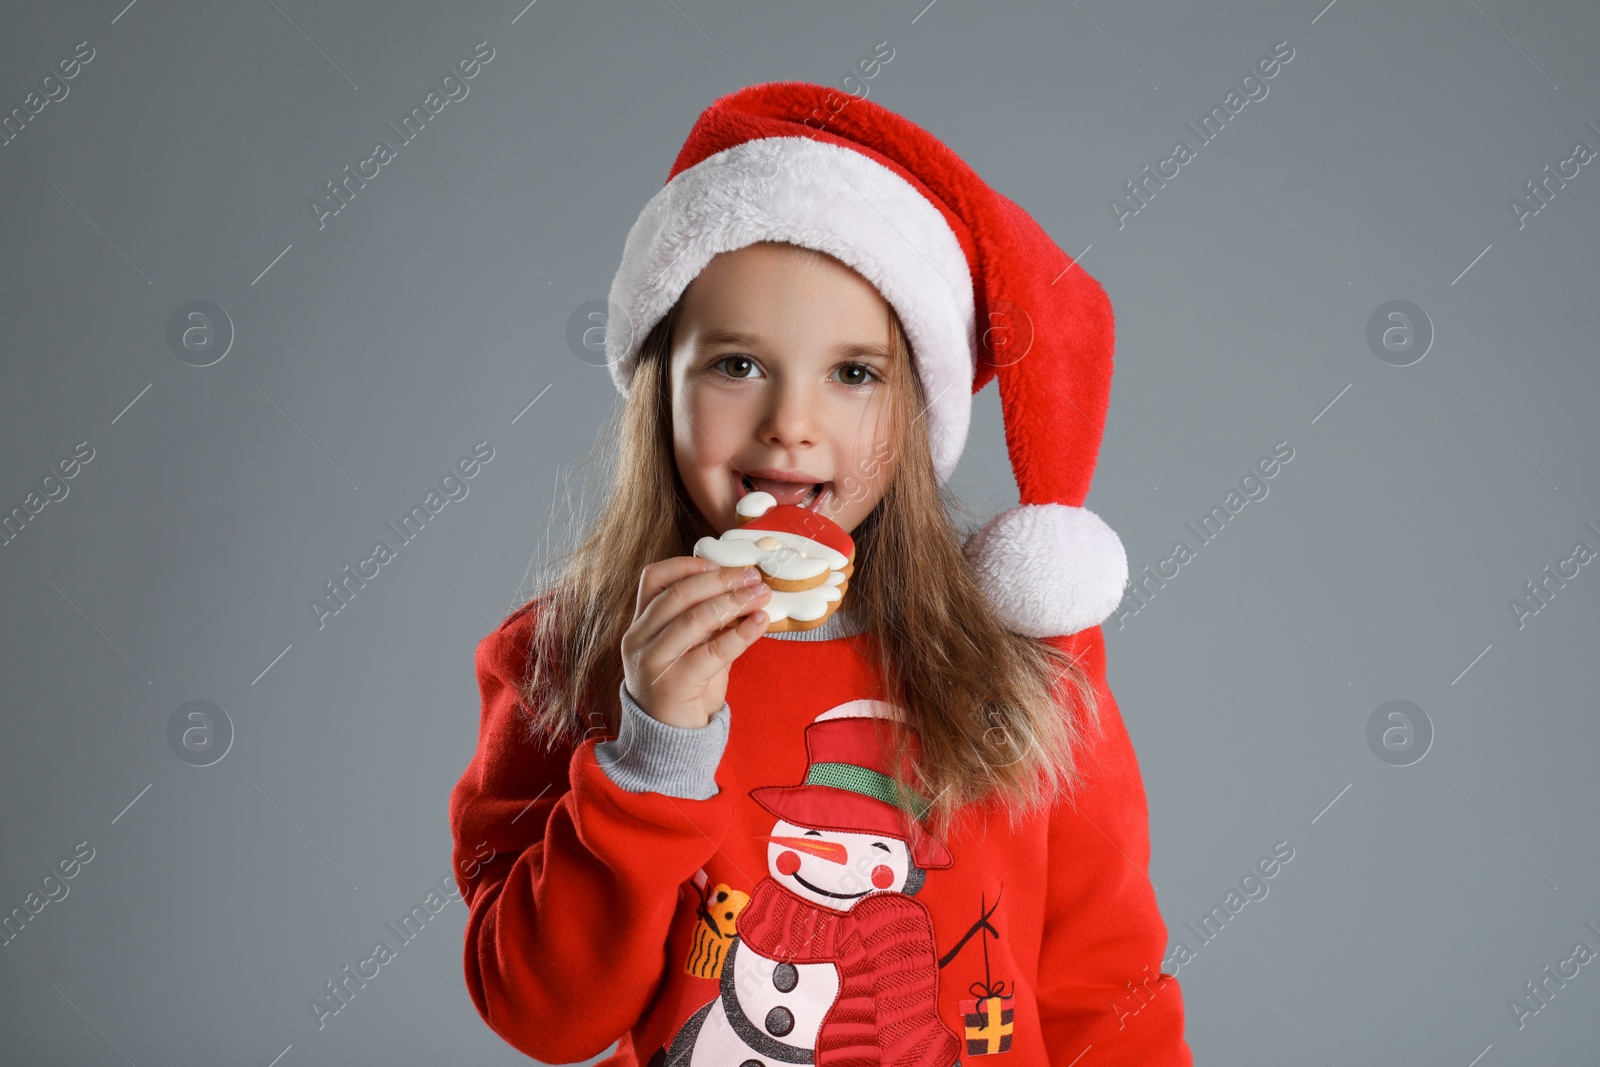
{"x":806,"y":559}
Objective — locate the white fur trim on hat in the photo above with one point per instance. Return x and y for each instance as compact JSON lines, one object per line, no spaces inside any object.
{"x":1049,"y":569}
{"x":863,"y":709}
{"x":829,"y":198}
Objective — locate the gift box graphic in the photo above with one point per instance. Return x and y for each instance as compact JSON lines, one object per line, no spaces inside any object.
{"x":988,"y":1016}
{"x":988,"y":1019}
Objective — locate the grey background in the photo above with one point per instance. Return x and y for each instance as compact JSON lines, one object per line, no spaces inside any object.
{"x":434,"y":309}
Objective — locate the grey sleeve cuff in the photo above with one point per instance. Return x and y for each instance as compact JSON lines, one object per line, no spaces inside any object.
{"x":649,"y":756}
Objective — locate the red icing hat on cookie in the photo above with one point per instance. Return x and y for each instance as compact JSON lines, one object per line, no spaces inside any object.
{"x":802,"y":522}
{"x":981,"y":289}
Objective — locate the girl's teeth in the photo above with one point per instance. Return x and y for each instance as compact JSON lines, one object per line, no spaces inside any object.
{"x":783,"y":490}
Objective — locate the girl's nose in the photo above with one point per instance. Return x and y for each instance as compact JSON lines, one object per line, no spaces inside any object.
{"x":790,"y":419}
{"x":831,"y":851}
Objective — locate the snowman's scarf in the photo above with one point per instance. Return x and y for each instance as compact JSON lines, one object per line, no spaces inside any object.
{"x":886,"y":1011}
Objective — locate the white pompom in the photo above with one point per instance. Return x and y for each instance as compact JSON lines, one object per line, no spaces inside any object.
{"x":1049,"y":569}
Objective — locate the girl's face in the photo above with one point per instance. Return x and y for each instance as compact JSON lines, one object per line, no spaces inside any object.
{"x":780,"y":364}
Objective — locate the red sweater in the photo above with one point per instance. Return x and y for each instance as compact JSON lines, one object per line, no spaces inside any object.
{"x":675,"y":925}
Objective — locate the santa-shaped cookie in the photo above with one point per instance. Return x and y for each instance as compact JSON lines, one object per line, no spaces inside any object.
{"x":806,"y":559}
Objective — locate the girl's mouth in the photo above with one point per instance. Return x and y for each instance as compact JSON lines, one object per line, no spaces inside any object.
{"x":796,"y":493}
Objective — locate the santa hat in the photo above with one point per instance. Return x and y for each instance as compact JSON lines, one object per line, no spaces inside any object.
{"x":800,"y":522}
{"x":980,"y":288}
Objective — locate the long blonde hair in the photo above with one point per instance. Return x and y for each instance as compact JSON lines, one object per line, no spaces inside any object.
{"x":991,"y":709}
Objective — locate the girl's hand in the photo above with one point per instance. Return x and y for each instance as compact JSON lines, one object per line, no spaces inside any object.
{"x":676,"y":655}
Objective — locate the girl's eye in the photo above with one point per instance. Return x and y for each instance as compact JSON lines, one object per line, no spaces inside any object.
{"x":870,"y":375}
{"x":725,"y":360}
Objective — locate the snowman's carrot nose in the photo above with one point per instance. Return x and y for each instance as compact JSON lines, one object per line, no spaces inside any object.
{"x":831,"y":851}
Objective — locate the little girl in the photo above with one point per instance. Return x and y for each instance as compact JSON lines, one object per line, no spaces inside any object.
{"x":913,"y":832}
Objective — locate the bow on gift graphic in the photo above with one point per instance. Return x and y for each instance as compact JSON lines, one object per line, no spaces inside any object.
{"x":988,"y":1015}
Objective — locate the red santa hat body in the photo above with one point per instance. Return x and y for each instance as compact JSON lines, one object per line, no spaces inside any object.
{"x":980,"y":289}
{"x":800,"y":522}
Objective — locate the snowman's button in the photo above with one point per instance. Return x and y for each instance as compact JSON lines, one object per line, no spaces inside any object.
{"x":785,"y":976}
{"x":779,"y":1021}
{"x":752,"y":1063}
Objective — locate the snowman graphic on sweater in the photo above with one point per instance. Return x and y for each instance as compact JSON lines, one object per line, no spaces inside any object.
{"x":833,"y":961}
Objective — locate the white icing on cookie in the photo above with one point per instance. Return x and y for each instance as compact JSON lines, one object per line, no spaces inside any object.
{"x":729,"y":553}
{"x":782,"y":562}
{"x":754,"y":505}
{"x":800,"y":546}
{"x":804,"y":605}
